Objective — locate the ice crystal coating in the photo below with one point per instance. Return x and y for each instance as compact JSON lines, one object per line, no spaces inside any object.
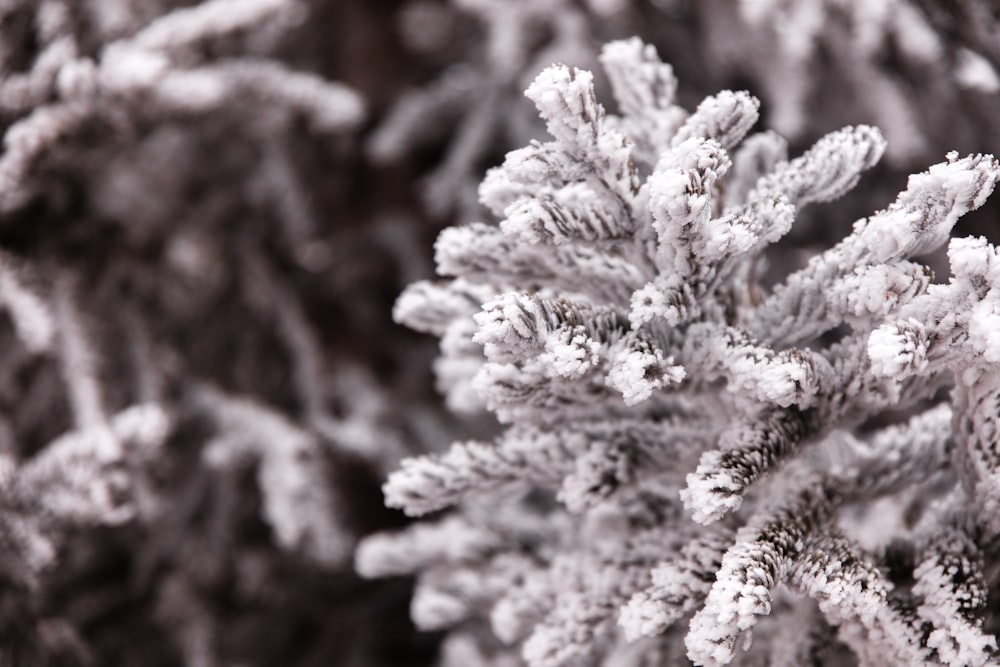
{"x":684,"y":437}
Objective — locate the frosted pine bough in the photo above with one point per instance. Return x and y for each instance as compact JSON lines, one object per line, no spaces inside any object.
{"x":154,"y":225}
{"x":689,"y":452}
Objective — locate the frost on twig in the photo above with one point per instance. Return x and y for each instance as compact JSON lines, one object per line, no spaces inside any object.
{"x":150,"y":75}
{"x":151,"y":152}
{"x":468,"y":109}
{"x":298,"y":503}
{"x":93,"y":473}
{"x":683,"y":439}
